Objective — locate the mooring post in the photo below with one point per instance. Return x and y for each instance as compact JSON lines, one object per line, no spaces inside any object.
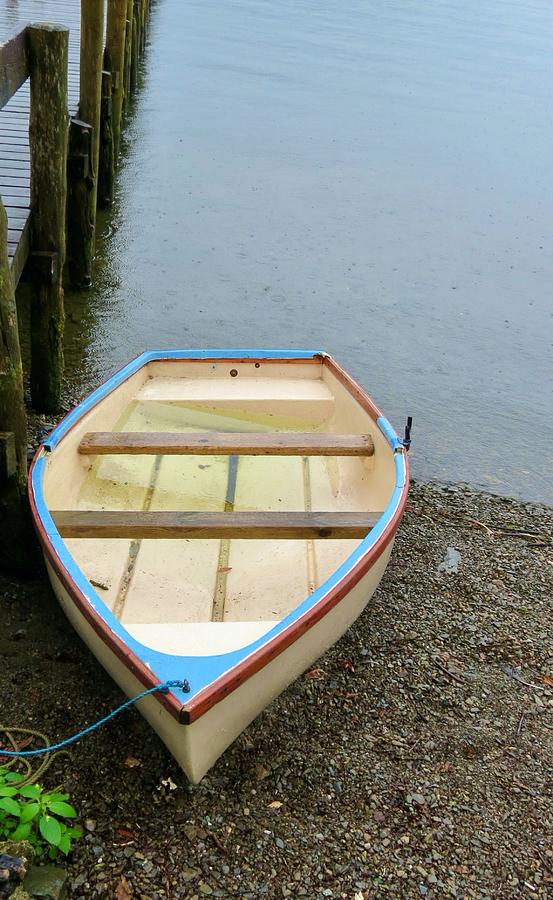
{"x":13,"y":438}
{"x":90,"y":95}
{"x":107,"y":149}
{"x":79,"y":186}
{"x":48,"y":123}
{"x":84,"y":188}
{"x":143,"y":9}
{"x":84,"y":143}
{"x":135,"y":53}
{"x":114,"y":62}
{"x":128,"y":53}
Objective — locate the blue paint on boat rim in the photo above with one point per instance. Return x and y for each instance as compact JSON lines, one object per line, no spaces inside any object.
{"x":200,"y":671}
{"x":389,"y":433}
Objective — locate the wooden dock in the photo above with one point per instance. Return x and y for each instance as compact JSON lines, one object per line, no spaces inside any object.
{"x":68,"y":69}
{"x":15,"y":186}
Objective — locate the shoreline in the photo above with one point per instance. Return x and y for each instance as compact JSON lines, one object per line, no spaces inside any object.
{"x":412,"y":760}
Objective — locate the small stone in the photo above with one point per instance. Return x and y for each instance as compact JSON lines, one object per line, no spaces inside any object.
{"x":189,"y":874}
{"x":450,"y":563}
{"x":48,"y":882}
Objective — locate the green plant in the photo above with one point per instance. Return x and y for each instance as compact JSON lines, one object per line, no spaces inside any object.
{"x":28,"y":812}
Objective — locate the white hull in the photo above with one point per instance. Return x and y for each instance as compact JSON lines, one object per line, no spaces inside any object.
{"x":196,"y":747}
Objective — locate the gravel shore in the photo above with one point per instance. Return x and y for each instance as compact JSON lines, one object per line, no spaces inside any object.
{"x":414,"y":760}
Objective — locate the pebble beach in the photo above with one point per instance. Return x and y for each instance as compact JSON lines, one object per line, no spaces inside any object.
{"x":414,"y":759}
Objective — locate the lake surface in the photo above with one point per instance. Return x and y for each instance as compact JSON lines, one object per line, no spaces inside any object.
{"x":370,"y":178}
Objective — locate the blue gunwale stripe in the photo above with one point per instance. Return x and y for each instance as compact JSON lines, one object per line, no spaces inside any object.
{"x":201,"y":671}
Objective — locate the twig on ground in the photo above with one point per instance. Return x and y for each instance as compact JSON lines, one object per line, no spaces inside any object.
{"x":219,"y":842}
{"x":544,"y":861}
{"x":487,"y":529}
{"x":446,"y":671}
{"x":508,"y":671}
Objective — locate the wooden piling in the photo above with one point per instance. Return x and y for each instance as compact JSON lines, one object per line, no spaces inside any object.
{"x":135,"y":52}
{"x":79,"y":186}
{"x":106,"y":171}
{"x":83,"y":190}
{"x":48,"y":124}
{"x":13,"y":441}
{"x":92,"y":53}
{"x":128,"y":54}
{"x":114,"y":62}
{"x":142,"y":26}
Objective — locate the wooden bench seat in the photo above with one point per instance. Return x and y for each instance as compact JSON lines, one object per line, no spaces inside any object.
{"x":214,"y":443}
{"x":231,"y":525}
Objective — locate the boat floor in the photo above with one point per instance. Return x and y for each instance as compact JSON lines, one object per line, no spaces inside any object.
{"x":172,"y":594}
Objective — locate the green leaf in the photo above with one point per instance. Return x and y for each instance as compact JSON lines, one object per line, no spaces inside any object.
{"x":13,"y":777}
{"x":50,"y":829}
{"x":29,"y":811}
{"x":10,"y":805}
{"x":53,"y":852}
{"x":30,"y":791}
{"x":6,"y":791}
{"x":75,"y":832}
{"x":62,"y":809}
{"x":21,"y":833}
{"x":56,"y":796}
{"x":65,"y":844}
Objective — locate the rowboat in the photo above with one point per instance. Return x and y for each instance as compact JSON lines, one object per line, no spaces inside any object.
{"x":219,"y":517}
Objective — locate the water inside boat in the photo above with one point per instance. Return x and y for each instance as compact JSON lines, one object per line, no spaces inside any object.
{"x":175,"y":595}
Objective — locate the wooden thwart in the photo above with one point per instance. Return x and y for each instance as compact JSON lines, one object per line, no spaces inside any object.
{"x":144,"y":525}
{"x":213,"y":443}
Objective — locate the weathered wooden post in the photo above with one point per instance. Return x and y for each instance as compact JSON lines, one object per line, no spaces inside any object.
{"x":13,"y":437}
{"x":143,"y":7}
{"x":90,"y":94}
{"x":128,"y":53}
{"x":135,"y":52}
{"x":48,"y":124}
{"x":106,"y":171}
{"x":83,"y":159}
{"x":79,"y":186}
{"x":114,"y":62}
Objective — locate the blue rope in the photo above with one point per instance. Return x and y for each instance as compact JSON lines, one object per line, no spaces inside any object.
{"x":164,"y":688}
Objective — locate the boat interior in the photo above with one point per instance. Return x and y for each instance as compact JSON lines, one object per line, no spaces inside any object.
{"x":204,"y":500}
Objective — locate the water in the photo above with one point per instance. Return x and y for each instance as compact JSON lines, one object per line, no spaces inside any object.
{"x":371,"y":178}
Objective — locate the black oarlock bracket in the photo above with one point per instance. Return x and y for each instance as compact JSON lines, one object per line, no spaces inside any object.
{"x":407,"y":435}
